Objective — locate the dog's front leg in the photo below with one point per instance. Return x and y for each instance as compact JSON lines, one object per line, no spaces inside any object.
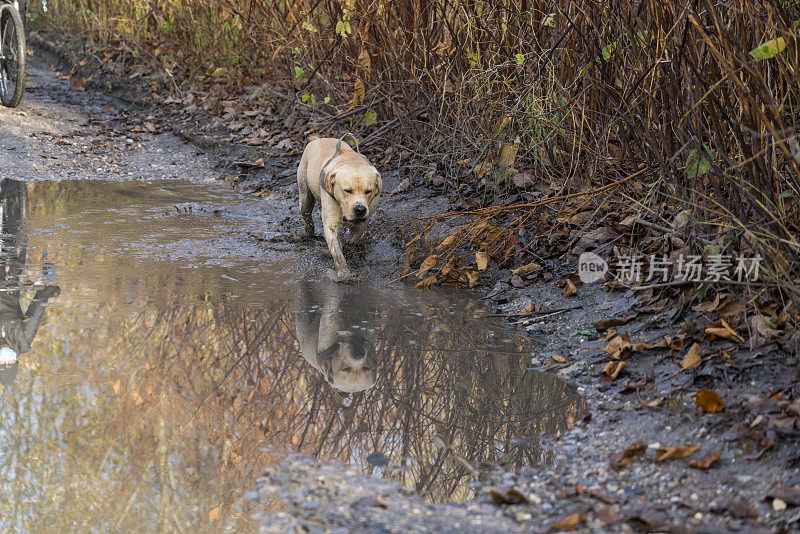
{"x":332,"y":233}
{"x":356,"y":232}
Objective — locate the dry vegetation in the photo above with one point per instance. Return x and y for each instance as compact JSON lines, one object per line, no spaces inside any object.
{"x":543,"y":114}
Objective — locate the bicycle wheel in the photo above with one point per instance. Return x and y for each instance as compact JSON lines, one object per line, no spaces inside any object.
{"x":12,"y":56}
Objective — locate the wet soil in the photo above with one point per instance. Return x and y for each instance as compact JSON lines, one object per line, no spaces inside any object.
{"x":567,"y":482}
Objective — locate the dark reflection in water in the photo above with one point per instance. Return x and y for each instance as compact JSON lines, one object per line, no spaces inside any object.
{"x":160,"y":384}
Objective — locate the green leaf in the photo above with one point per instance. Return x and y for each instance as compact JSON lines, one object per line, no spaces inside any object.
{"x":697,"y":164}
{"x":769,"y":49}
{"x":326,"y":100}
{"x":608,"y":50}
{"x":308,"y":26}
{"x":588,"y":333}
{"x":343,"y":28}
{"x":520,"y":58}
{"x":167,"y":27}
{"x":370,"y":118}
{"x":299,"y":72}
{"x":549,"y":20}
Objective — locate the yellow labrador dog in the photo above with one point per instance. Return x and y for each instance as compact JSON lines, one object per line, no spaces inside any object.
{"x":333,"y":338}
{"x":348,"y":189}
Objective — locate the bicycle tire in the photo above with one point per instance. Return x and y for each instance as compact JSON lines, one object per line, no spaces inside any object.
{"x":11,"y":21}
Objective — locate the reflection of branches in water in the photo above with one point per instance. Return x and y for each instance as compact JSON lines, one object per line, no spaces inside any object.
{"x":174,"y":407}
{"x":455,"y":383}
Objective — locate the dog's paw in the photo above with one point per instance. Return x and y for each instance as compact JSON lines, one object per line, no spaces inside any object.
{"x":346,"y":277}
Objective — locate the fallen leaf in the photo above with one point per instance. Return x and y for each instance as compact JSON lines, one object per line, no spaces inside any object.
{"x":620,"y":460}
{"x":707,"y":461}
{"x":722,"y":329}
{"x":117,"y":386}
{"x":612,"y":369}
{"x":619,"y":347}
{"x":692,"y":358}
{"x":708,"y":306}
{"x":427,"y":282}
{"x":481,"y":260}
{"x":446,"y":242}
{"x":676,"y":453}
{"x":519,"y":271}
{"x":709,"y":401}
{"x":559,"y":358}
{"x":507,"y":495}
{"x":569,"y":289}
{"x":566,"y":523}
{"x":427,"y":265}
{"x":523,"y":180}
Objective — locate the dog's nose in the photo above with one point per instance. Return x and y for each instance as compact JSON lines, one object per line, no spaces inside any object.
{"x":359,"y":210}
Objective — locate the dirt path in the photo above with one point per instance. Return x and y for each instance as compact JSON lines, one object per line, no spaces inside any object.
{"x":63,"y":133}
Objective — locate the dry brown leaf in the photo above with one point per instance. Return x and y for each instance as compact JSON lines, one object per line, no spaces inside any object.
{"x":481,"y":260}
{"x":707,"y":461}
{"x":709,"y":401}
{"x":676,"y":453}
{"x":448,"y":267}
{"x":622,"y":459}
{"x":427,"y":282}
{"x":619,"y":347}
{"x":427,"y":265}
{"x":446,"y":242}
{"x":613,"y":369}
{"x":722,"y":329}
{"x":569,"y":289}
{"x":559,"y":358}
{"x":117,"y":386}
{"x":519,"y":271}
{"x":358,"y":93}
{"x":692,"y":358}
{"x":708,"y":306}
{"x":566,"y":523}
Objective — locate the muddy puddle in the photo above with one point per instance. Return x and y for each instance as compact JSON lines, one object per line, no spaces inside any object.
{"x":164,"y":361}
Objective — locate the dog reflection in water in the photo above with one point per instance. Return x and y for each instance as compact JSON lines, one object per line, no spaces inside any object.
{"x":332,"y":330}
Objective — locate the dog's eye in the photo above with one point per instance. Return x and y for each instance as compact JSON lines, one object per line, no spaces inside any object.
{"x":368,"y":192}
{"x":346,"y":369}
{"x":348,"y":191}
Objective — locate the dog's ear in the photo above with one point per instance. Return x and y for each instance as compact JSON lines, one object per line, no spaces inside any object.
{"x":325,"y":361}
{"x":329,"y":182}
{"x":379,"y":182}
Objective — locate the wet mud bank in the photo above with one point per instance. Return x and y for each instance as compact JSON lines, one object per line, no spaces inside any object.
{"x":614,"y":463}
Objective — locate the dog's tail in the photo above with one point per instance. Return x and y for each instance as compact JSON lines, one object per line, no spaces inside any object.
{"x":312,"y":138}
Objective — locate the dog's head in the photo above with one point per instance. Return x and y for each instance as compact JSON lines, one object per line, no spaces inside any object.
{"x":355,"y":185}
{"x":349,"y":364}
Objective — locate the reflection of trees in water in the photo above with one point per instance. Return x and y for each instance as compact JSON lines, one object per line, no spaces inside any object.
{"x":160,"y":418}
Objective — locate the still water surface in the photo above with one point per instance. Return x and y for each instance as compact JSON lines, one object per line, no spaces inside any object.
{"x":164,"y":362}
